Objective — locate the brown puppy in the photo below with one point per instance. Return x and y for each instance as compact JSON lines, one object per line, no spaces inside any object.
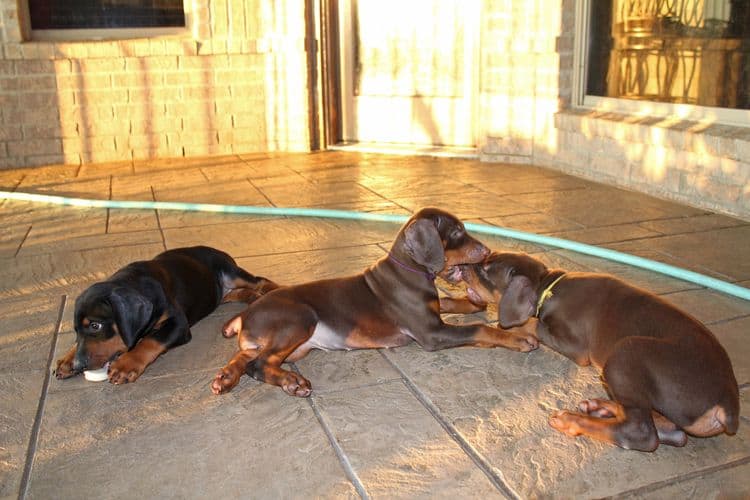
{"x":148,"y":307}
{"x":666,"y":373}
{"x":388,"y":305}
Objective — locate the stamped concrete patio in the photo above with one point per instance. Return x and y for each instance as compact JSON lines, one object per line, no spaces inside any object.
{"x":404,"y":423}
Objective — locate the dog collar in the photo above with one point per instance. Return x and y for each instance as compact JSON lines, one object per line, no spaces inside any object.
{"x":547,"y":293}
{"x":429,"y":275}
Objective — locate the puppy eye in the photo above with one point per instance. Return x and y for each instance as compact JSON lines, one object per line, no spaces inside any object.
{"x":95,"y":326}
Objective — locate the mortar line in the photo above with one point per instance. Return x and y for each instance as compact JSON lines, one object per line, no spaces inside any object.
{"x":351,"y":474}
{"x":496,"y":479}
{"x":34,"y":438}
{"x":23,"y":240}
{"x":683,"y":477}
{"x":158,"y":221}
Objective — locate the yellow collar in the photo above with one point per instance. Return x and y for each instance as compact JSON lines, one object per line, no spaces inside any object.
{"x":547,"y":293}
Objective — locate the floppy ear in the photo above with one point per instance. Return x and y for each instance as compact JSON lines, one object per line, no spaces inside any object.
{"x":518,"y":302}
{"x":423,"y":244}
{"x":131,"y":312}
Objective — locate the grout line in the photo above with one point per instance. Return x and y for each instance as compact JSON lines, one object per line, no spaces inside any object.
{"x":495,"y":477}
{"x":649,"y":488}
{"x":106,"y":224}
{"x":726,"y":320}
{"x":158,"y":221}
{"x":261,"y":192}
{"x":351,"y":474}
{"x":36,"y":427}
{"x":23,"y":240}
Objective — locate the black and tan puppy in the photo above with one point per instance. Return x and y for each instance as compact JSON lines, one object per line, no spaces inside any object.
{"x":148,"y":307}
{"x":666,"y":373}
{"x":390,"y":304}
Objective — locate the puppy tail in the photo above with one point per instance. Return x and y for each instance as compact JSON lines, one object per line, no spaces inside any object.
{"x":242,"y":286}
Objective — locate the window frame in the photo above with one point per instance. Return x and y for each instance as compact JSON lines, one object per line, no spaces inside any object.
{"x":102,"y":34}
{"x":692,"y":112}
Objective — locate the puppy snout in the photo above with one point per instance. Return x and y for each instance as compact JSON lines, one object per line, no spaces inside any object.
{"x":80,"y":363}
{"x":479,"y":253}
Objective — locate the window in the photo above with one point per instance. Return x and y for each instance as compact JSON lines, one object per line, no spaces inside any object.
{"x":75,"y":15}
{"x":682,"y":52}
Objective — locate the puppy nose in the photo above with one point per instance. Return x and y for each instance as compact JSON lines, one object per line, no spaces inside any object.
{"x":79,"y":363}
{"x":484,"y":252}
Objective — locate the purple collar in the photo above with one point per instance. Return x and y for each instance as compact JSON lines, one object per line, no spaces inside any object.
{"x":429,"y":275}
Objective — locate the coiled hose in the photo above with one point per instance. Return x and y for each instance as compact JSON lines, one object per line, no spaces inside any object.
{"x":583,"y":248}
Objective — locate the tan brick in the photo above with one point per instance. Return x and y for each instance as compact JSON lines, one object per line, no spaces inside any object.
{"x":243,"y":136}
{"x":80,"y":81}
{"x":139,"y":112}
{"x":100,"y":156}
{"x":33,"y":67}
{"x":103,"y":49}
{"x":20,"y":115}
{"x":7,"y":68}
{"x":38,"y":160}
{"x":103,"y":127}
{"x":148,"y":95}
{"x":137,"y":79}
{"x":202,"y":62}
{"x":99,"y":65}
{"x":189,"y":78}
{"x":13,"y":51}
{"x":10,"y":132}
{"x":157,"y":123}
{"x":70,"y":50}
{"x":202,"y":137}
{"x":153,"y":142}
{"x":235,"y":106}
{"x":165,"y":152}
{"x":99,"y":97}
{"x":87,"y":113}
{"x":37,"y":83}
{"x":245,"y":91}
{"x":88,"y":144}
{"x":51,"y":130}
{"x":193,"y":93}
{"x":160,"y":63}
{"x":34,"y":147}
{"x":9,"y":84}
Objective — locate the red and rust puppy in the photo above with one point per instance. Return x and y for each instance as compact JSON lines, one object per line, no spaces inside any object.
{"x":390,"y":304}
{"x":666,"y":373}
{"x":148,"y":307}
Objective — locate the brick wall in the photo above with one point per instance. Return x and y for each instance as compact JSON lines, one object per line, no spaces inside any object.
{"x":235,"y":82}
{"x":527,"y":116}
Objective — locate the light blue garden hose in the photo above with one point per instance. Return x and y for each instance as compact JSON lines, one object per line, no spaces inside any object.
{"x":604,"y":253}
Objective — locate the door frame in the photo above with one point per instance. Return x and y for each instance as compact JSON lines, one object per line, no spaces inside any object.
{"x":324,"y":75}
{"x":331,"y":132}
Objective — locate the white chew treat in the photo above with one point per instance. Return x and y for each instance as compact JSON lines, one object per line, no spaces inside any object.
{"x":99,"y":375}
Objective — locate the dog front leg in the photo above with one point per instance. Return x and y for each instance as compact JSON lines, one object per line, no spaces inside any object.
{"x":447,"y":336}
{"x":64,"y":367}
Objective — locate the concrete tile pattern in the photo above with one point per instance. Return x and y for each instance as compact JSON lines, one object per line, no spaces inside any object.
{"x":399,"y":423}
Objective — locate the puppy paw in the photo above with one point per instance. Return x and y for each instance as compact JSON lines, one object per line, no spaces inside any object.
{"x":232,"y":327}
{"x":124,"y":370}
{"x":296,"y":385}
{"x":565,"y":422}
{"x":599,"y":408}
{"x":224,"y":381}
{"x":64,"y":369}
{"x":526,"y":342}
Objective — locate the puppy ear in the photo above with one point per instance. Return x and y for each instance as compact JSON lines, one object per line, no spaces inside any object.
{"x":518,"y":302}
{"x":423,"y":244}
{"x":131,"y":312}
